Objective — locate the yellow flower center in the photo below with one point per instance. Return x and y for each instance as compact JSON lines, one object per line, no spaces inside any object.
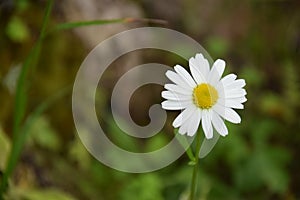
{"x":205,"y":96}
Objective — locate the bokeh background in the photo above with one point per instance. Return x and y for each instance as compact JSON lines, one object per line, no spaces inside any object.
{"x":259,"y":159}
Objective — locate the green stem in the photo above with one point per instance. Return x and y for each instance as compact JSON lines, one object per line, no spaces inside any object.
{"x":71,"y":25}
{"x":196,"y":167}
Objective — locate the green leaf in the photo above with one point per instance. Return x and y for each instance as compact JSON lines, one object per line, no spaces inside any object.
{"x":38,"y":194}
{"x":156,"y":142}
{"x":121,"y":138}
{"x":254,"y":77}
{"x":263,"y":168}
{"x":17,"y":30}
{"x":5,"y":149}
{"x":78,"y":153}
{"x":192,"y":163}
{"x":44,"y":135}
{"x":22,"y":4}
{"x":144,"y":187}
{"x":247,"y":176}
{"x":217,"y":46}
{"x":273,"y":172}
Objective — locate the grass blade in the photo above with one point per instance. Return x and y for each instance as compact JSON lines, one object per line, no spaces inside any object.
{"x":71,"y":25}
{"x":19,"y":143}
{"x":20,"y":99}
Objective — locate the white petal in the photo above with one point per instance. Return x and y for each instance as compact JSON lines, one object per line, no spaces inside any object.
{"x":230,"y":103}
{"x":233,"y":104}
{"x":194,"y":123}
{"x":221,"y":92}
{"x":228,"y":79}
{"x":183,"y":116}
{"x":219,"y":124}
{"x":220,"y":66}
{"x":216,"y":71}
{"x":178,"y":89}
{"x":237,"y":84}
{"x":202,"y":64}
{"x":176,"y":79}
{"x":195,"y":66}
{"x":219,"y":109}
{"x":175,"y":105}
{"x":213,"y":77}
{"x":175,"y":96}
{"x":185,"y":76}
{"x":227,"y":113}
{"x":237,"y":99}
{"x":232,"y":116}
{"x":235,"y":93}
{"x":206,"y":124}
{"x":183,"y":128}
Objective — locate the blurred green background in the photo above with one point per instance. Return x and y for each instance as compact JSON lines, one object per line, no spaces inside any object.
{"x":259,"y":159}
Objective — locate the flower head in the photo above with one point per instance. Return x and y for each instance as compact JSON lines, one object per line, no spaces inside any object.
{"x":204,"y":97}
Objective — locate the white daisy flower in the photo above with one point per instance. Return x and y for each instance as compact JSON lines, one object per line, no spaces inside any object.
{"x":204,"y":96}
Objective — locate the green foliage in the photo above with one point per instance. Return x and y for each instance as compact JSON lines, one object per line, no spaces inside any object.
{"x":156,"y":142}
{"x":79,"y":154}
{"x":253,"y":162}
{"x":20,"y":104}
{"x":38,"y":194}
{"x":217,"y":46}
{"x":42,"y":133}
{"x":254,"y":78}
{"x":22,"y":4}
{"x":144,"y":187}
{"x":17,"y":30}
{"x":5,"y":149}
{"x":121,"y":138}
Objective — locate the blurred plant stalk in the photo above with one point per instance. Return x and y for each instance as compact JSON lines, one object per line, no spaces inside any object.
{"x":193,"y":189}
{"x":20,"y":130}
{"x":20,"y":104}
